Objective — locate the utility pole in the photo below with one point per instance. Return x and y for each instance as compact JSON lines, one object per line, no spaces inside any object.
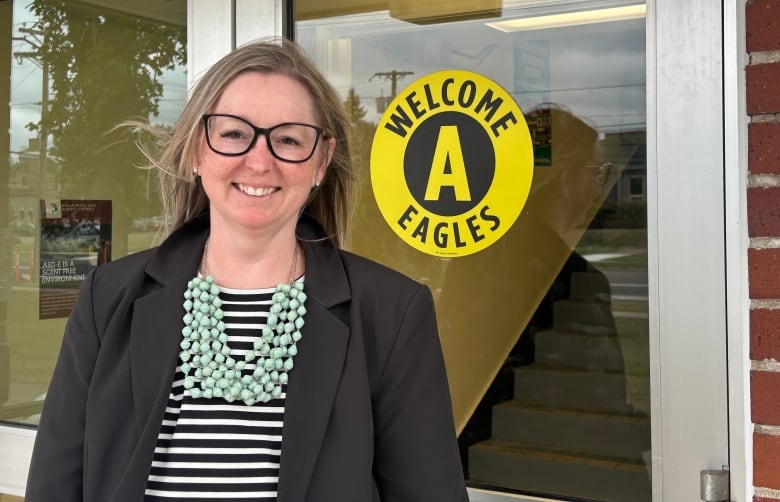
{"x":393,"y":76}
{"x":36,"y":38}
{"x":43,"y":136}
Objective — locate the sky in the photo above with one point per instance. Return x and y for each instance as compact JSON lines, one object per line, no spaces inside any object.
{"x":597,"y":71}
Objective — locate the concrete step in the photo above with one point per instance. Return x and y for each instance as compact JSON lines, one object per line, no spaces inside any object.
{"x":590,"y":285}
{"x":521,"y":467}
{"x":574,"y":389}
{"x":593,"y":317}
{"x":601,"y":434}
{"x":577,"y":349}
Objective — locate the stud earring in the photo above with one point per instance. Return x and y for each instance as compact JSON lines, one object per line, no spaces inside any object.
{"x":195,"y":170}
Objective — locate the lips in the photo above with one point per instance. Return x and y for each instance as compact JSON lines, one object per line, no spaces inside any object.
{"x":256,"y":192}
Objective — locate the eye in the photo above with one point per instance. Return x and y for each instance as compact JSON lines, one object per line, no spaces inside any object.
{"x":233,"y":134}
{"x":286,"y":141}
{"x":289,"y":136}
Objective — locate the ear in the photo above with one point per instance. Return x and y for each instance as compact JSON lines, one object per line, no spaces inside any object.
{"x":322,"y":168}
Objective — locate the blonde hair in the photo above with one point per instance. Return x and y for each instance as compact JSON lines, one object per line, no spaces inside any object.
{"x":183,"y":197}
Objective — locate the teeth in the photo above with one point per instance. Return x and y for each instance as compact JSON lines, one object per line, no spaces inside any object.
{"x":257,"y":192}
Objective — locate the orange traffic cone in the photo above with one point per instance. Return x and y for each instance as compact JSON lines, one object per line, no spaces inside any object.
{"x":17,"y":270}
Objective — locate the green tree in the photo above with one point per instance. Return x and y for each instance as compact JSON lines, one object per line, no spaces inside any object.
{"x":104,"y":67}
{"x":355,"y":110}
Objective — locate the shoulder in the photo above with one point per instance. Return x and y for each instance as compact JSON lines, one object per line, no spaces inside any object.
{"x":115,"y":283}
{"x":362,"y":270}
{"x":125,"y":267}
{"x":176,"y":256}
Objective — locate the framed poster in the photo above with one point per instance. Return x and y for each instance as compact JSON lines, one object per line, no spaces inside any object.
{"x":75,"y":238}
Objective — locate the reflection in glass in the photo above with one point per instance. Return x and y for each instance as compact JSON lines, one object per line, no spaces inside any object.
{"x":545,"y":332}
{"x":76,"y":70}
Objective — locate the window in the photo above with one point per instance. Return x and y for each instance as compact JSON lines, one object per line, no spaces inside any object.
{"x":71,"y":189}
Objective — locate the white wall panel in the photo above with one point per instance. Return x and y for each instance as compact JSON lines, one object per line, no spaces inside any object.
{"x":258,"y":19}
{"x":210,"y":34}
{"x":16,"y":446}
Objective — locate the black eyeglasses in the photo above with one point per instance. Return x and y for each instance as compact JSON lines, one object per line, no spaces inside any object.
{"x":233,"y":136}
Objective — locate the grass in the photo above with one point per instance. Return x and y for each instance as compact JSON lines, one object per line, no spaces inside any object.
{"x":632,"y":333}
{"x":629,"y":306}
{"x":612,"y":240}
{"x":634,"y":346}
{"x":33,"y":343}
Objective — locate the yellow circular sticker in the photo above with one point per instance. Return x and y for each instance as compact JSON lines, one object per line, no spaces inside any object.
{"x":451,"y":163}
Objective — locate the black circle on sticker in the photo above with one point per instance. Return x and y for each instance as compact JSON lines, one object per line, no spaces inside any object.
{"x":478,"y":157}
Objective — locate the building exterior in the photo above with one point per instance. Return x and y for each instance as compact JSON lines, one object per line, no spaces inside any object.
{"x":638,"y":356}
{"x":762,"y":109}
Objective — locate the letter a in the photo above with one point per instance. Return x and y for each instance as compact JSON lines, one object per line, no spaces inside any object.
{"x":448,"y":148}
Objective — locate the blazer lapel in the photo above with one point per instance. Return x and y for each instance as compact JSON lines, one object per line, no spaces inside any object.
{"x":154,"y":347}
{"x":156,"y":332}
{"x":315,"y":378}
{"x":310,"y":396}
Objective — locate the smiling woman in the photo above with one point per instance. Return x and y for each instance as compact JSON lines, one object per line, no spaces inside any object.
{"x":257,"y":189}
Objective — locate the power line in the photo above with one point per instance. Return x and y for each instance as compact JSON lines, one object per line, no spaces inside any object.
{"x":393,"y":76}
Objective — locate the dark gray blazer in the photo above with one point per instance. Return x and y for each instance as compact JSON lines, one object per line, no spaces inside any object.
{"x":368,"y":415}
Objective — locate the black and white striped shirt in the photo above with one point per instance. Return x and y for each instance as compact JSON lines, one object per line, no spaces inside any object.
{"x":209,"y":449}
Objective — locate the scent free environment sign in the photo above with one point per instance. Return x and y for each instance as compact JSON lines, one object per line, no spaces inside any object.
{"x":451,"y":163}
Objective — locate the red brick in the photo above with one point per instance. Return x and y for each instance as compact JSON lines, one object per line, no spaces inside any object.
{"x":764,"y":147}
{"x":764,"y":273}
{"x":764,"y":398}
{"x":762,"y":19}
{"x":764,"y":499}
{"x":766,"y":461}
{"x":763,"y":212}
{"x":764,"y":334}
{"x":762,"y":95}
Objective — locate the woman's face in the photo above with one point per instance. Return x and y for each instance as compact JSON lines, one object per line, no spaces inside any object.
{"x":257,"y":192}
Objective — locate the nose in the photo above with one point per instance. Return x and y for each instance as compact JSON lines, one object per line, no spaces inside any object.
{"x":259,"y":156}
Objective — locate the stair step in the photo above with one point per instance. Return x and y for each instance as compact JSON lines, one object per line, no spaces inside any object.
{"x":577,"y":349}
{"x":603,"y":434}
{"x":594,"y":317}
{"x":590,"y":285}
{"x":556,"y":387}
{"x":520,"y":467}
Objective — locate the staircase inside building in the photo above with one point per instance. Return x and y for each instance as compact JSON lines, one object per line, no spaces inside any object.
{"x":571,"y":429}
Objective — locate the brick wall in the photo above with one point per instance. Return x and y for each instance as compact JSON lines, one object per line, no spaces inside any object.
{"x":763,"y":198}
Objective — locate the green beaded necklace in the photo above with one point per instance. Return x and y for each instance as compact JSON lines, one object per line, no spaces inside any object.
{"x":210,"y":371}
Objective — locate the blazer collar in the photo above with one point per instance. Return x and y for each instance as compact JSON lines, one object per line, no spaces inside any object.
{"x":156,"y":333}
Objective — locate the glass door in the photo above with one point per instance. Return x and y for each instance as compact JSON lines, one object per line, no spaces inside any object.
{"x":586,"y":349}
{"x":71,"y":193}
{"x":546,"y":331}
